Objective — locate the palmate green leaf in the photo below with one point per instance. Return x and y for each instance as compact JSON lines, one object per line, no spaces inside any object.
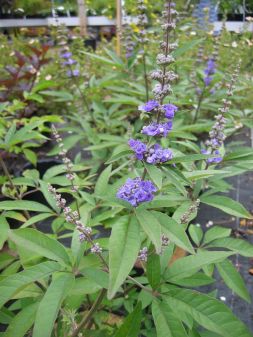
{"x":22,"y":322}
{"x":23,"y":205}
{"x":132,"y":323}
{"x":39,"y":243}
{"x":154,"y":270}
{"x":166,"y":323}
{"x":50,"y":304}
{"x":216,"y":232}
{"x":101,"y":186}
{"x":4,"y":230}
{"x":239,"y":246}
{"x":207,"y":311}
{"x":227,"y":205}
{"x":189,"y":265}
{"x":233,"y":279}
{"x":14,"y":283}
{"x":151,"y":227}
{"x":124,"y":245}
{"x":174,"y":231}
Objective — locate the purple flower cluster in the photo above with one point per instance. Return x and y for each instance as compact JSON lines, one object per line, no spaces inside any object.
{"x":138,"y":147}
{"x":136,"y":191}
{"x":169,"y":110}
{"x":210,"y":70}
{"x":149,"y":106}
{"x":214,"y":160}
{"x":157,"y":155}
{"x":152,"y":105}
{"x":153,"y":155}
{"x":157,"y":129}
{"x":69,"y":62}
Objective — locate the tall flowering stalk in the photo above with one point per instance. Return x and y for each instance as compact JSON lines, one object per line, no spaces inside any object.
{"x":142,"y":39}
{"x":209,"y":71}
{"x":71,"y":216}
{"x":216,"y":135}
{"x":68,"y":63}
{"x":138,"y":190}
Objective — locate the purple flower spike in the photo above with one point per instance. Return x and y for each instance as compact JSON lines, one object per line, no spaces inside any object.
{"x":155,"y":129}
{"x":69,"y":62}
{"x":210,"y":69}
{"x":138,"y":147}
{"x":170,"y":110}
{"x":215,"y":160}
{"x":149,"y":106}
{"x":157,"y":155}
{"x":136,"y":191}
{"x":73,"y":73}
{"x":207,"y":80}
{"x":66,"y":55}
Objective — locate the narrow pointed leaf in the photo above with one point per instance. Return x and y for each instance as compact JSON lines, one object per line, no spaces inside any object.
{"x":12,"y":284}
{"x":208,"y":312}
{"x":37,"y":242}
{"x":124,"y":245}
{"x":189,"y":265}
{"x":227,"y":205}
{"x":132,"y":324}
{"x":150,"y":226}
{"x":167,"y":324}
{"x":50,"y":305}
{"x":22,"y":322}
{"x":233,"y":279}
{"x":174,"y":231}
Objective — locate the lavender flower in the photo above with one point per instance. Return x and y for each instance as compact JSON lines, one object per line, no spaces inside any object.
{"x":157,"y":129}
{"x":165,"y":240}
{"x":69,"y":62}
{"x":143,"y":254}
{"x":169,"y":110}
{"x":138,"y":147}
{"x":153,"y":155}
{"x":216,"y":160}
{"x":66,"y":55}
{"x":157,"y":155}
{"x":149,"y":106}
{"x":73,"y":73}
{"x":210,"y":70}
{"x":136,"y":191}
{"x":96,"y":249}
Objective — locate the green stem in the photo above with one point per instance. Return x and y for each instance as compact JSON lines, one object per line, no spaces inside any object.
{"x":145,"y":75}
{"x":86,"y":319}
{"x":199,"y":105}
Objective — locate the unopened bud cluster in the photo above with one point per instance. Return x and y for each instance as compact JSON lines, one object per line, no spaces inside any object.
{"x":216,"y":135}
{"x":142,"y":22}
{"x":185,"y":218}
{"x":63,"y":155}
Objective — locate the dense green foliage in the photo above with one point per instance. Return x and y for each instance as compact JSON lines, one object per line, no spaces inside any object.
{"x":51,"y":284}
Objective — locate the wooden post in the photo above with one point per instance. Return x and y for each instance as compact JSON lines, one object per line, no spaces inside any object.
{"x":82,"y":17}
{"x":118,"y":25}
